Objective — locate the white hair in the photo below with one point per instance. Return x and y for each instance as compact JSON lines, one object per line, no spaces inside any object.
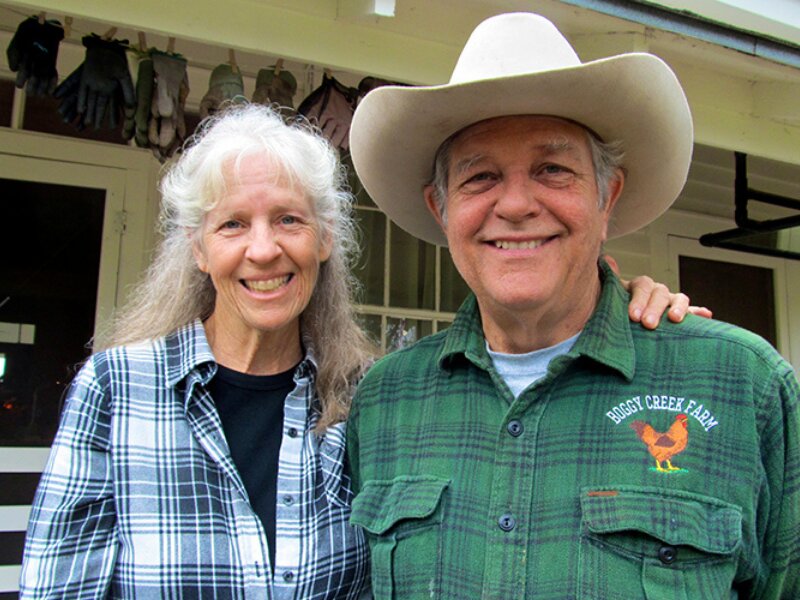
{"x":174,"y":292}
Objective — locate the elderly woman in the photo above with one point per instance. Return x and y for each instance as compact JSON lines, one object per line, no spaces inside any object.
{"x":211,"y":433}
{"x":201,"y":453}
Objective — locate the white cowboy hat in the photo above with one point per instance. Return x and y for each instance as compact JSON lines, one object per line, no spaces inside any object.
{"x":520,"y":64}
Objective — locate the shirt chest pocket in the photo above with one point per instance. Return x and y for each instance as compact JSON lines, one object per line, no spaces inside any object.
{"x":657,"y":544}
{"x":402,"y":518}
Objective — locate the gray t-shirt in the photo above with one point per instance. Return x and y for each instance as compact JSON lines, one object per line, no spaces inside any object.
{"x":521,"y":370}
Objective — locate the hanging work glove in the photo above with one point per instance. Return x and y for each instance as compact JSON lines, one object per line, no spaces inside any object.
{"x":166,"y":114}
{"x":145,"y":82}
{"x":276,"y":88}
{"x":32,"y":54}
{"x":224,"y":84}
{"x":331,"y":107}
{"x":168,"y":131}
{"x":104,"y":84}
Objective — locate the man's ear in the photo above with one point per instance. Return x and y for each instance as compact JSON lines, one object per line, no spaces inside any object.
{"x":614,"y":192}
{"x":430,"y":200}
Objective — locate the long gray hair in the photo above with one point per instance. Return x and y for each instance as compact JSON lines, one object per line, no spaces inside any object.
{"x":174,"y":292}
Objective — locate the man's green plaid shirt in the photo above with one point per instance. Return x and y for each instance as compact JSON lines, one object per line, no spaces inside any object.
{"x":467,"y":493}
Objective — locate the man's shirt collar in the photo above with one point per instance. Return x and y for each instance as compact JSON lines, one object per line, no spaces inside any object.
{"x":606,"y":338}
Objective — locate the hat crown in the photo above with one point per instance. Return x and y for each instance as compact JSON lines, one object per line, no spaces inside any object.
{"x":513,"y":44}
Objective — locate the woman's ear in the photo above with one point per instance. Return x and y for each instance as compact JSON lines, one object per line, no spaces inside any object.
{"x":326,"y":246}
{"x":199,"y":253}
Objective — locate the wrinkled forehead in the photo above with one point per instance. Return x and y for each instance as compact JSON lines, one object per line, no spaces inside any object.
{"x":548,"y":134}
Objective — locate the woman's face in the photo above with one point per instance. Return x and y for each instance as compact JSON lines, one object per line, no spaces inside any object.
{"x":262,"y":247}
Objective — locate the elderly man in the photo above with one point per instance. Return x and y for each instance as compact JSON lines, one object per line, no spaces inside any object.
{"x":543,"y":446}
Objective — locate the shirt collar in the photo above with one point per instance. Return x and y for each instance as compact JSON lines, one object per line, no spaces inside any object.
{"x":188,"y":352}
{"x":606,"y":338}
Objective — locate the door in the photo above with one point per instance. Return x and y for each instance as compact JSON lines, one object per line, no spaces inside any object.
{"x":62,"y":226}
{"x":749,"y":290}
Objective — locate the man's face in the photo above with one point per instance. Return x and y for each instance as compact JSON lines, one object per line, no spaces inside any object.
{"x":523,"y":220}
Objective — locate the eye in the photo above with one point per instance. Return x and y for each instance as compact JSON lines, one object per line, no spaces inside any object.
{"x":231,"y":224}
{"x":555,"y":174}
{"x":288,"y":220}
{"x":476,"y":183}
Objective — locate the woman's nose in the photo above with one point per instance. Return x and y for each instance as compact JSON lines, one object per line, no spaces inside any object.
{"x":263,"y":245}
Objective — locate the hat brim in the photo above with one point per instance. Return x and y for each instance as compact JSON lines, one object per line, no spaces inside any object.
{"x":634,"y":98}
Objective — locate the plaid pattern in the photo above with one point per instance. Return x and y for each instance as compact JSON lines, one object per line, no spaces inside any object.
{"x":467,"y":493}
{"x":141,"y":499}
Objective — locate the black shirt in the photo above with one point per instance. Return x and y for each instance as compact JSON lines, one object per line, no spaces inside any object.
{"x":251,"y":410}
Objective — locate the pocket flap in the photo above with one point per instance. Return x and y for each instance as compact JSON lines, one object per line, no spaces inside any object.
{"x":675,"y":517}
{"x":381,"y":504}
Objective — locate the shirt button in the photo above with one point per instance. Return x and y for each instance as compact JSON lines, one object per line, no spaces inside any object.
{"x":667,"y":554}
{"x":292,"y":432}
{"x":507,"y":522}
{"x":515,"y":428}
{"x":288,"y":500}
{"x":288,"y":576}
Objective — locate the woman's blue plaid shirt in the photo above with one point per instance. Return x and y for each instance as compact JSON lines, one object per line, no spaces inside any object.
{"x":141,"y":499}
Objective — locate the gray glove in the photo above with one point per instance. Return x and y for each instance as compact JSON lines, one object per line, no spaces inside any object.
{"x":223,"y":85}
{"x":166,"y":113}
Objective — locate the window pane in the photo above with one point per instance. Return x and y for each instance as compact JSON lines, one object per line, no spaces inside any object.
{"x":369,"y":269}
{"x":454,"y":290}
{"x":362,"y":198}
{"x":413,"y":263}
{"x":372,"y":325}
{"x":404,"y":332}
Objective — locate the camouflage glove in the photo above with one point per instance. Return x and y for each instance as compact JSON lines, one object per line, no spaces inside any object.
{"x":32,"y":54}
{"x":225,"y":84}
{"x":276,"y":89}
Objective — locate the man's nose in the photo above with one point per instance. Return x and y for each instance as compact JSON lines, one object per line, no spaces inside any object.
{"x":518,"y":199}
{"x":263,"y":245}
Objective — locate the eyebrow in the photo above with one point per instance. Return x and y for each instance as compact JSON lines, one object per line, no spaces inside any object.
{"x":549,"y":148}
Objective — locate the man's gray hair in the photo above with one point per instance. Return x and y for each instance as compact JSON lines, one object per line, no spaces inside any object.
{"x":606,"y":159}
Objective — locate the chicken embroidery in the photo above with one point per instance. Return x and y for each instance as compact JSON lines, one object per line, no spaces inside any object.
{"x":663,"y":446}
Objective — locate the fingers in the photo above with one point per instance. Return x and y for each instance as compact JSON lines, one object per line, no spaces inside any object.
{"x":701,"y":311}
{"x":648,"y":302}
{"x":679,"y":306}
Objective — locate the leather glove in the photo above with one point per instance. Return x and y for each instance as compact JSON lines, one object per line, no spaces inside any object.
{"x":104,"y":84}
{"x":224,"y":84}
{"x":276,"y":89}
{"x":32,"y":54}
{"x":331,"y":106}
